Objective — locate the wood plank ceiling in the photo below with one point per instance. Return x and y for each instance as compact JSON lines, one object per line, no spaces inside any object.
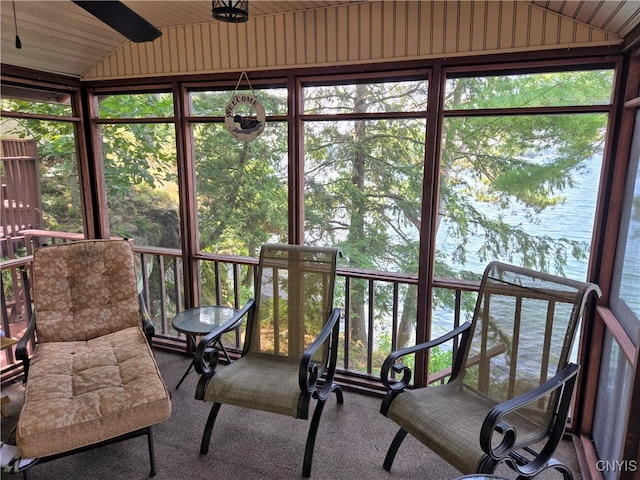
{"x":60,"y":37}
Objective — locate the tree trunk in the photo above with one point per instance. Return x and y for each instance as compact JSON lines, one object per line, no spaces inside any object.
{"x":358,"y":215}
{"x":407,"y":324}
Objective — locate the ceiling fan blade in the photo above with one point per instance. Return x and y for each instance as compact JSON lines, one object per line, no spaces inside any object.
{"x":122,"y":19}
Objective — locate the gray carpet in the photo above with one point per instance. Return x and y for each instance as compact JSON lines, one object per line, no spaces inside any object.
{"x":351,"y":444}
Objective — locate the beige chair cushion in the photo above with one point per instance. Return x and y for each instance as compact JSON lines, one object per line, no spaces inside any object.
{"x":84,"y":290}
{"x":261,"y":382}
{"x":448,"y":419}
{"x":83,"y":392}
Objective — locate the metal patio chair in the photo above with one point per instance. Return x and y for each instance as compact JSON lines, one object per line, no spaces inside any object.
{"x":511,"y":384}
{"x":290,"y":347}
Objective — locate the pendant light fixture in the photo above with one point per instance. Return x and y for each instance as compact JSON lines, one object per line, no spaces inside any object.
{"x":231,"y":11}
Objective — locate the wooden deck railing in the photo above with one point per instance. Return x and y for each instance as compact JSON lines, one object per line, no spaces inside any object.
{"x":20,"y":201}
{"x":228,"y":280}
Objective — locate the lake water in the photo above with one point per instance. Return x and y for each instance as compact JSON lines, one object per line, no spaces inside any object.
{"x":573,"y":219}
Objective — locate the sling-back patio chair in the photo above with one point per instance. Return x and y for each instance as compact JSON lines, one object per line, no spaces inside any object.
{"x":511,"y":383}
{"x":92,"y":378}
{"x":290,"y":346}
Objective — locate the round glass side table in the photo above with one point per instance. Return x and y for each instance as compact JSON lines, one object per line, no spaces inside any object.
{"x":201,"y":321}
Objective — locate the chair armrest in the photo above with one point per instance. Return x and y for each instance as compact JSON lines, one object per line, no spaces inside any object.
{"x":147,"y":326}
{"x":390,"y":364}
{"x":22,"y":352}
{"x":310,"y":372}
{"x":565,"y":381}
{"x":206,"y":355}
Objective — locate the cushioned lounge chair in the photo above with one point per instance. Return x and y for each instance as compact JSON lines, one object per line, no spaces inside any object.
{"x":92,"y":378}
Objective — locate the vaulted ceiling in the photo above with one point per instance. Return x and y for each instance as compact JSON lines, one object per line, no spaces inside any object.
{"x":60,"y":37}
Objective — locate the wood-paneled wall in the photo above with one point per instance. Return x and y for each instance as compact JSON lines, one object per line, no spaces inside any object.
{"x":361,"y":32}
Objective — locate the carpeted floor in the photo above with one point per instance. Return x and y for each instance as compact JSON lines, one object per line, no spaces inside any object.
{"x":351,"y":444}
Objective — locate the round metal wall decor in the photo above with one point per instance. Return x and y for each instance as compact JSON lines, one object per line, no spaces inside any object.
{"x":244,"y":117}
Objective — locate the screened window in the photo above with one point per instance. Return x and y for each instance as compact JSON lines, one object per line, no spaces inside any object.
{"x":625,"y":292}
{"x":40,"y":187}
{"x":33,"y":101}
{"x":136,"y":105}
{"x":141,"y":180}
{"x":520,"y":188}
{"x":555,"y":89}
{"x":375,"y":97}
{"x":363,"y":171}
{"x":214,"y":103}
{"x":364,"y":153}
{"x":241,"y":186}
{"x":615,"y":380}
{"x":39,"y":162}
{"x":140,"y":168}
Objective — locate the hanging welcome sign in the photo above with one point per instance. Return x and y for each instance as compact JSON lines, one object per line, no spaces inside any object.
{"x":244,"y":115}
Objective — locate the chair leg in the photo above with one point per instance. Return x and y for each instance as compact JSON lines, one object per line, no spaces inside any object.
{"x":311,"y":439}
{"x":393,"y":449}
{"x":152,"y":455}
{"x":313,"y":428}
{"x":208,"y":428}
{"x":338,"y":391}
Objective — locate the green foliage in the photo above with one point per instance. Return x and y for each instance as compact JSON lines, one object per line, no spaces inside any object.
{"x":138,"y":105}
{"x":60,"y":193}
{"x":242,"y":187}
{"x":363,"y":178}
{"x":439,"y":358}
{"x":139,"y":154}
{"x":140,"y":169}
{"x":149,"y":216}
{"x":515,"y":163}
{"x":519,"y":163}
{"x":530,"y":90}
